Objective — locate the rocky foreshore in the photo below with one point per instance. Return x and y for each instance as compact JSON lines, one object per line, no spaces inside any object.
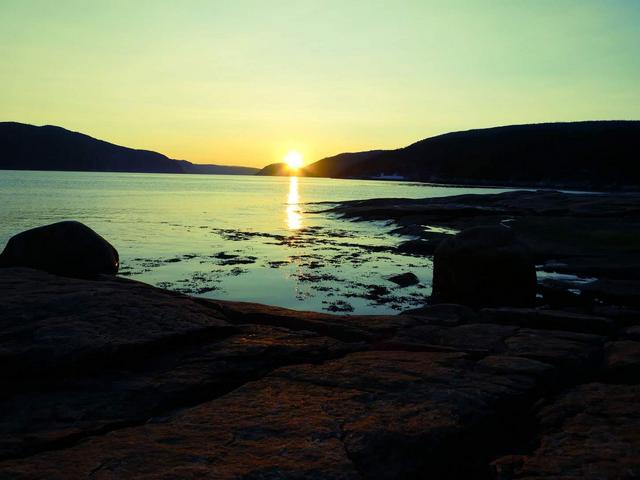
{"x":108,"y":378}
{"x":586,"y":245}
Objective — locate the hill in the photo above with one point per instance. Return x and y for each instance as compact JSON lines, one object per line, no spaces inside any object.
{"x":327,"y":167}
{"x":28,"y":147}
{"x":276,"y":169}
{"x":594,"y":154}
{"x":210,"y":169}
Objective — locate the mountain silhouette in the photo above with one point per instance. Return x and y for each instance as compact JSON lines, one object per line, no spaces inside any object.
{"x":592,"y":154}
{"x":28,"y":147}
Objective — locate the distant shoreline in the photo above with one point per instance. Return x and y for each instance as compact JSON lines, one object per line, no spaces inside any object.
{"x":566,"y":188}
{"x":128,"y":172}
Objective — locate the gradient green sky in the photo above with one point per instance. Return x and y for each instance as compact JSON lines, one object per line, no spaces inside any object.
{"x":242,"y":82}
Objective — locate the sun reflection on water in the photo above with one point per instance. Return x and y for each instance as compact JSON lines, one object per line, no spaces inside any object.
{"x":294,"y":217}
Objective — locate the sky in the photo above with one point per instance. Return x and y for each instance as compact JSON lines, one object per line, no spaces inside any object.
{"x":244,"y":82}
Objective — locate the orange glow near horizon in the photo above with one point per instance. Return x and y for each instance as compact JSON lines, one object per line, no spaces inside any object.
{"x":243,"y":83}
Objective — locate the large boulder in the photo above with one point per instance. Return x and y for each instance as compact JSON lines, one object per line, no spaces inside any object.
{"x":66,"y":248}
{"x":484,"y":266}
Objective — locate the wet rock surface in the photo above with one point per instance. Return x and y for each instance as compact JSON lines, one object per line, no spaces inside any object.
{"x":110,"y":378}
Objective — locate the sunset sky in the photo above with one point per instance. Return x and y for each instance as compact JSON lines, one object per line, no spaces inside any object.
{"x":243,"y":82}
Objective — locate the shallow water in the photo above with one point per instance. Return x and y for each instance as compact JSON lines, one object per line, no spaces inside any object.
{"x":257,"y":239}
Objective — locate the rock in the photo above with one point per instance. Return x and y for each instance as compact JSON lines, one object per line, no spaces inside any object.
{"x":143,"y":388}
{"x":86,"y":356}
{"x":574,"y":354}
{"x":374,"y":415}
{"x":404,"y":279}
{"x":376,"y":292}
{"x":550,"y":319}
{"x":622,"y":361}
{"x":475,"y":339}
{"x":420,"y":246}
{"x":111,"y":378}
{"x":355,"y":328}
{"x":446,"y":314}
{"x":590,"y":432}
{"x":617,"y":292}
{"x":71,"y":324}
{"x":504,"y":364}
{"x":484,"y":266}
{"x":66,"y":248}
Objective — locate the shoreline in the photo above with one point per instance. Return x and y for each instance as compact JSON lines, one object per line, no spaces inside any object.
{"x":113,"y":377}
{"x":572,"y":234}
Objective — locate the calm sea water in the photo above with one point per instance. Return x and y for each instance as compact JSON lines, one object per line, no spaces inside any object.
{"x":258,"y":239}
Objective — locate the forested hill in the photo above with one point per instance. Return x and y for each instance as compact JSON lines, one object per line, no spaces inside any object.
{"x":594,"y":154}
{"x":28,"y":147}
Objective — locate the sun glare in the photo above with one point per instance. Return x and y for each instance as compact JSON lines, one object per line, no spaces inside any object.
{"x":294,"y":218}
{"x":293,"y":159}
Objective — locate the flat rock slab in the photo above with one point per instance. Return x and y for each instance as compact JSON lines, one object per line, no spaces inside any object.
{"x":550,"y":319}
{"x":82,"y":357}
{"x":590,"y":432}
{"x":49,"y":323}
{"x":111,"y":378}
{"x":369,"y":414}
{"x":348,"y":328}
{"x":66,"y":410}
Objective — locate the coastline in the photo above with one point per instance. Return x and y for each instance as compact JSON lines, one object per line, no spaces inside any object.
{"x":410,"y":249}
{"x":572,"y":236}
{"x":110,"y":377}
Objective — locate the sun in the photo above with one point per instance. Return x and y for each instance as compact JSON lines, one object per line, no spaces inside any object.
{"x":293,"y":159}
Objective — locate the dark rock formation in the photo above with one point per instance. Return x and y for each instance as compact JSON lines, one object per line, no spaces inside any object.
{"x":426,"y":246}
{"x":404,"y":279}
{"x":484,"y":266}
{"x":66,"y":248}
{"x":110,"y":378}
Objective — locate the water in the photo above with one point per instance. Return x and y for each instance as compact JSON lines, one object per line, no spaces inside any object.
{"x":257,"y":239}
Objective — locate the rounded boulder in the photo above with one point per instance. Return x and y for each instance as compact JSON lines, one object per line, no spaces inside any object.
{"x":484,"y":266}
{"x":66,"y":248}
